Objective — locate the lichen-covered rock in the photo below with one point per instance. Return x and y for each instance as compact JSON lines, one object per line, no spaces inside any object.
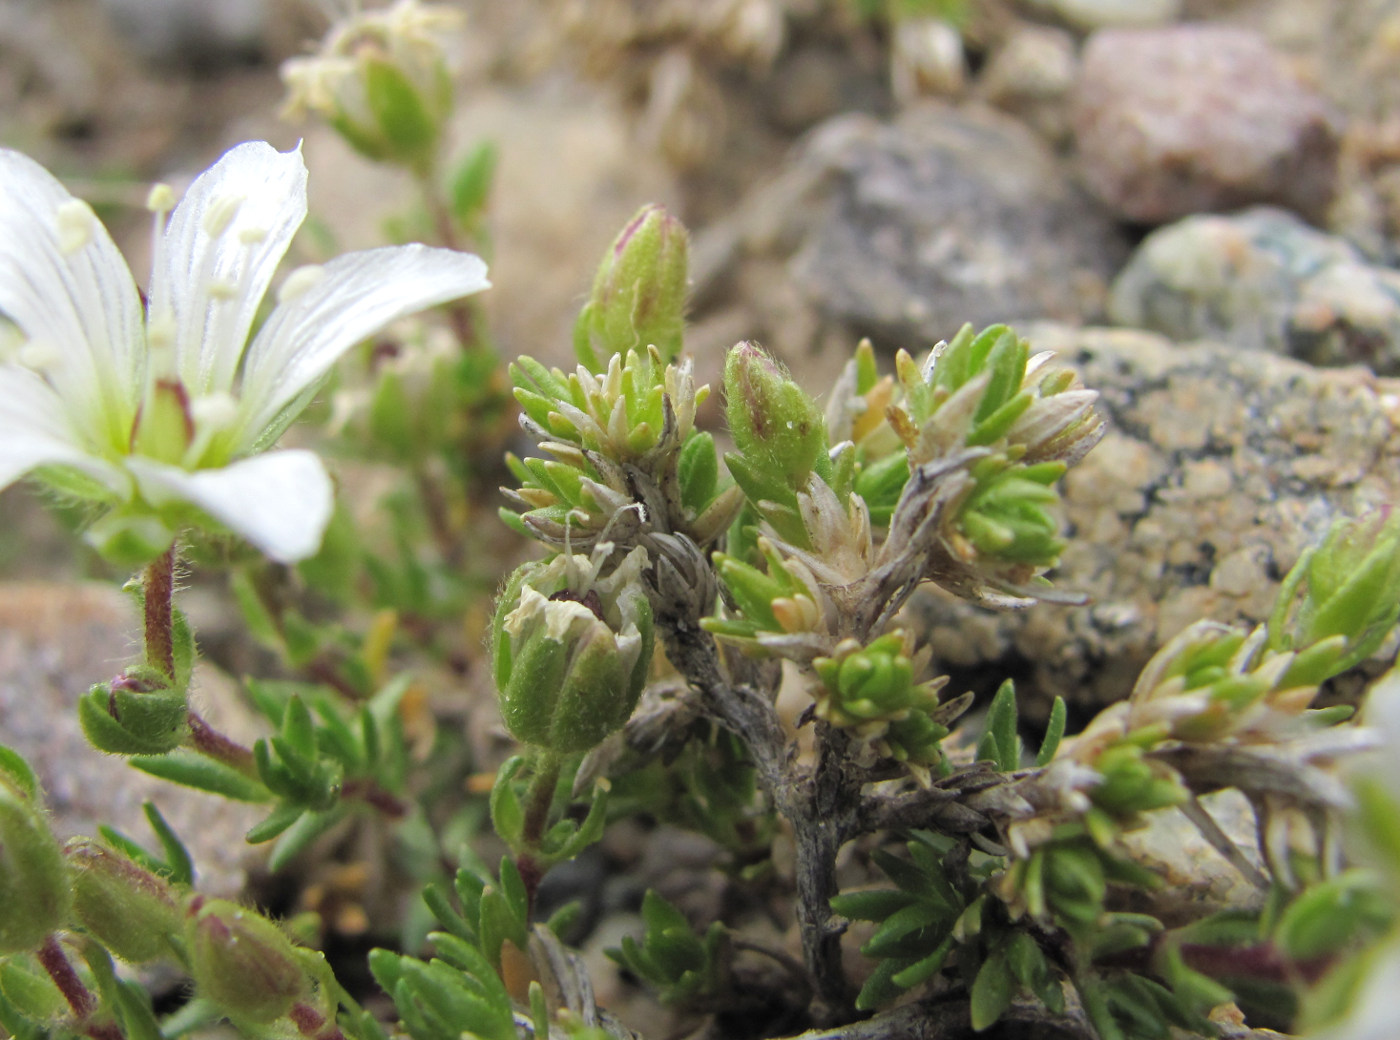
{"x":1191,"y":118}
{"x":1219,"y":468}
{"x":1263,"y":280}
{"x":904,"y":230}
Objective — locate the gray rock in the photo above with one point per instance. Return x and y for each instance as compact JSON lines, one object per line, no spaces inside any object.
{"x":56,"y":641}
{"x":904,"y":230}
{"x":1195,"y":117}
{"x":1219,"y":468}
{"x":190,"y":31}
{"x":1031,"y":76}
{"x":1263,"y":280}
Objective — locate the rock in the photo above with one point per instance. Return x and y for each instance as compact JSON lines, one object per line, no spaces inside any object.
{"x":1102,"y":14}
{"x":1195,"y":117}
{"x":1219,"y":468}
{"x":904,"y":230}
{"x":1031,"y":75}
{"x":187,"y":32}
{"x":55,"y":642}
{"x":1263,"y":280}
{"x":926,"y":60}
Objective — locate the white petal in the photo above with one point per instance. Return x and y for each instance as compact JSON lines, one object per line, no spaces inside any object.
{"x":34,"y":432}
{"x":281,"y":502}
{"x":220,"y":250}
{"x":78,"y":307}
{"x":355,"y":296}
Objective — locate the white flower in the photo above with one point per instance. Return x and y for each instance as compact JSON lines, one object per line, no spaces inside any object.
{"x":164,"y":411}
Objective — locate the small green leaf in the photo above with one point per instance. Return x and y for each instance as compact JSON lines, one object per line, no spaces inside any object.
{"x":1054,"y":732}
{"x":204,"y":774}
{"x":992,"y":990}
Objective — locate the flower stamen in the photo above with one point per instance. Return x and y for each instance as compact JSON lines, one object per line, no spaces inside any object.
{"x":76,"y":223}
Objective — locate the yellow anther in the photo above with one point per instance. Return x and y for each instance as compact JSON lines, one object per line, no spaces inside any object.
{"x":161,"y":198}
{"x":220,"y":214}
{"x":76,"y":224}
{"x":299,"y":281}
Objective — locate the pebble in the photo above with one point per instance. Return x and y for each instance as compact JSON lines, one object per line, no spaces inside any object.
{"x":1263,"y":280}
{"x":1193,"y":118}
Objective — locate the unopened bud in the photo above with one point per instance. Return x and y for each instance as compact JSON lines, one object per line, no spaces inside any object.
{"x":241,"y":961}
{"x":777,"y":428}
{"x":381,"y":81}
{"x":638,"y":298}
{"x":34,"y":895}
{"x":128,"y":909}
{"x":136,"y":714}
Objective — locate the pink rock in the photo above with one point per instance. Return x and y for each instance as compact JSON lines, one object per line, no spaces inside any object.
{"x":1189,"y":118}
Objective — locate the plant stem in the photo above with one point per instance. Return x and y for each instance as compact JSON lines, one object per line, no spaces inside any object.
{"x":213,"y":744}
{"x":159,"y":587}
{"x":820,"y":805}
{"x":539,"y":798}
{"x":56,"y":963}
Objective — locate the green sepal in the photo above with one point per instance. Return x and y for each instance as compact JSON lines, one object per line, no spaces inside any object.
{"x":122,"y":718}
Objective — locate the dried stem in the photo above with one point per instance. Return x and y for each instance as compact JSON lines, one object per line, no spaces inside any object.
{"x":820,"y":804}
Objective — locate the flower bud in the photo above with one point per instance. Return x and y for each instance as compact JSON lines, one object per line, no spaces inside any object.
{"x":776,"y":427}
{"x":34,"y":893}
{"x":381,"y":81}
{"x":638,"y":297}
{"x":135,"y":714}
{"x":241,"y":961}
{"x":128,"y":909}
{"x":572,"y":651}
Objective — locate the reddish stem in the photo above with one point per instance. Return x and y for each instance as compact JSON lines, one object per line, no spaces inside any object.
{"x":213,"y":744}
{"x":55,"y":962}
{"x":160,"y":618}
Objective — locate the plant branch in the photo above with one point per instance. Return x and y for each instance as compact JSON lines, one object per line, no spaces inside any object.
{"x":213,"y":744}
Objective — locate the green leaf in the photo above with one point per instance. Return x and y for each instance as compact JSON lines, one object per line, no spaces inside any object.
{"x":1054,"y":732}
{"x":13,"y":766}
{"x":999,"y":742}
{"x":302,"y":833}
{"x":880,"y":988}
{"x":471,"y":184}
{"x":276,"y":822}
{"x":874,"y":905}
{"x":992,"y":990}
{"x":179,"y":865}
{"x":204,"y":774}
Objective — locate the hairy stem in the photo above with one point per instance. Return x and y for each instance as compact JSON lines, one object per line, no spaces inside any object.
{"x":159,"y":587}
{"x":213,"y":744}
{"x":56,"y":963}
